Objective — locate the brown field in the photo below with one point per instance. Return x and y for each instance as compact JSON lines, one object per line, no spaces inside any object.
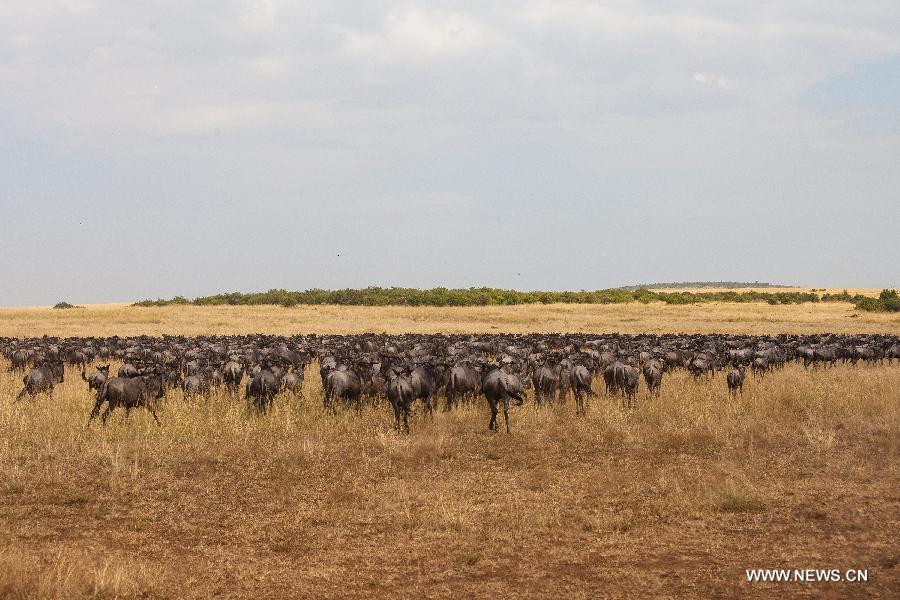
{"x":674,"y":499}
{"x":657,"y":317}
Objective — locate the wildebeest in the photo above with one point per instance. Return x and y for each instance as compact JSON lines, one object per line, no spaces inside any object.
{"x":293,"y":381}
{"x":400,"y":393}
{"x":759,"y":366}
{"x":344,"y":383}
{"x":546,"y":382}
{"x":580,"y":380}
{"x":628,"y":379}
{"x":463,"y":380}
{"x":735,"y":380}
{"x":261,"y":389}
{"x":653,"y":373}
{"x":232,"y":374}
{"x":129,"y":392}
{"x":41,"y":379}
{"x":499,"y":386}
{"x":97,"y":377}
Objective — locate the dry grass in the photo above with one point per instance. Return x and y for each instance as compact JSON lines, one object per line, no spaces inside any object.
{"x":752,"y":318}
{"x":674,"y":499}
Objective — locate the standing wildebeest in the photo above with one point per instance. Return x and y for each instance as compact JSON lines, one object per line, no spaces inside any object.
{"x":41,"y":379}
{"x":735,"y":380}
{"x":424,"y":382}
{"x":129,"y":392}
{"x":293,"y":382}
{"x":497,"y":386}
{"x":759,"y":366}
{"x":653,"y":373}
{"x":580,"y":380}
{"x":628,"y":378}
{"x":400,"y":392}
{"x":546,"y":382}
{"x":232,"y":374}
{"x":261,"y":389}
{"x":463,"y":380}
{"x":344,"y":383}
{"x":609,"y":377}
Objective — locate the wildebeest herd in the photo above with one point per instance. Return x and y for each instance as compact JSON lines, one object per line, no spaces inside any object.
{"x":405,"y":369}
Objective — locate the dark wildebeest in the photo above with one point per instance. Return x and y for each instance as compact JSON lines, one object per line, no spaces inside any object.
{"x":97,"y":378}
{"x":499,"y":386}
{"x":628,"y":378}
{"x":41,"y":379}
{"x":735,"y":380}
{"x":261,"y":389}
{"x":612,"y":377}
{"x":342,"y":383}
{"x":400,"y":393}
{"x":424,"y":382}
{"x":129,"y":392}
{"x":580,"y":380}
{"x":463,"y":381}
{"x":653,"y":373}
{"x":546,"y":382}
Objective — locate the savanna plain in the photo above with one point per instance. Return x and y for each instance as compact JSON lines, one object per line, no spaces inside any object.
{"x":675,"y":498}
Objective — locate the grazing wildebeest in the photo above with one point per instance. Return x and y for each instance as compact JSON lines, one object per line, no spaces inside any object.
{"x":261,"y":389}
{"x":580,"y":380}
{"x":41,"y":379}
{"x":129,"y":392}
{"x":735,"y":380}
{"x":653,"y":373}
{"x":499,"y":386}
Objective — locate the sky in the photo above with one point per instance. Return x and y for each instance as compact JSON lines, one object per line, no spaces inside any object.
{"x":149,"y":149}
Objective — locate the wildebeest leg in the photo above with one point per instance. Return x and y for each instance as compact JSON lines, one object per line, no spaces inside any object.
{"x":153,"y":412}
{"x":396,"y":415}
{"x":96,"y":410}
{"x":406,"y":419}
{"x":21,"y":394}
{"x":105,"y":414}
{"x":506,"y":411}
{"x":493,"y":424}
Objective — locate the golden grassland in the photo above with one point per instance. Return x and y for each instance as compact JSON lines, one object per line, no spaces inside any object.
{"x":656,"y":317}
{"x":673,"y":499}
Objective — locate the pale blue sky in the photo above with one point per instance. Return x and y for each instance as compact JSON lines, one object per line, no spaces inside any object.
{"x":190,"y":148}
